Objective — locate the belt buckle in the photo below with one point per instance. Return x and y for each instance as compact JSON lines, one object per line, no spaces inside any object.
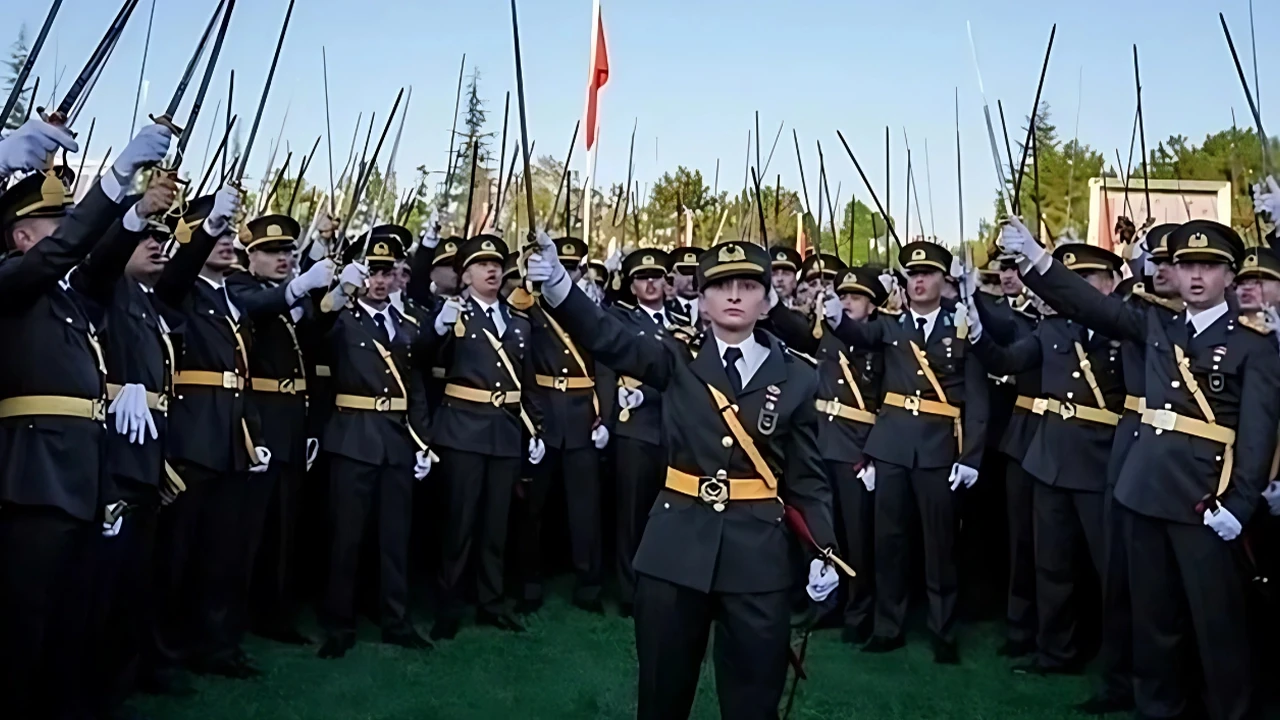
{"x":382,"y":404}
{"x":1164,"y":420}
{"x":1039,"y":405}
{"x":714,"y":491}
{"x":1067,"y":410}
{"x":834,"y":407}
{"x":912,"y":403}
{"x":162,"y":403}
{"x":229,"y":380}
{"x":99,"y":409}
{"x":561,"y":384}
{"x":498,"y":398}
{"x":287,"y":386}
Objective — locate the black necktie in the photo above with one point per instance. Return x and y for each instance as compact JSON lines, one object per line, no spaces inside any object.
{"x":657,"y":319}
{"x":731,"y":357}
{"x":920,"y":323}
{"x":384,"y":335}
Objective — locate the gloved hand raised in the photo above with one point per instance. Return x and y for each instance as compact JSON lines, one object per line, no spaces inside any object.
{"x":832,"y":308}
{"x":28,"y":148}
{"x":147,"y":148}
{"x":1016,"y":239}
{"x":226,"y":204}
{"x":316,"y":277}
{"x":975,"y":321}
{"x":448,"y":315}
{"x":1266,"y":199}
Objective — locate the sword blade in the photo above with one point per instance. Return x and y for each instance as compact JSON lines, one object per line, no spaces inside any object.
{"x":171,"y":110}
{"x":99,"y":58}
{"x":198,"y":103}
{"x":524,"y":121}
{"x":262,"y":102}
{"x":30,"y":62}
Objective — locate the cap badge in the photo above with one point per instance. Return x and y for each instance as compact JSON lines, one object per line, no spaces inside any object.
{"x":381,"y":250}
{"x":648,"y":260}
{"x":781,"y":257}
{"x":1251,"y":260}
{"x":732,"y":253}
{"x":487,"y":245}
{"x":1069,"y":259}
{"x":274,"y":230}
{"x":450,"y":247}
{"x":1199,"y":240}
{"x":917,"y":254}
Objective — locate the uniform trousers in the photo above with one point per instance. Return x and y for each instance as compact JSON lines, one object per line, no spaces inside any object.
{"x":274,"y":595}
{"x":1065,"y":520}
{"x":361,"y":493}
{"x":640,"y":473}
{"x":897,"y":487}
{"x":1115,"y":654}
{"x":1184,"y":580}
{"x":42,"y":622}
{"x":752,"y":636}
{"x":479,"y":506}
{"x":857,"y":519}
{"x":1020,"y":617}
{"x":579,"y":470}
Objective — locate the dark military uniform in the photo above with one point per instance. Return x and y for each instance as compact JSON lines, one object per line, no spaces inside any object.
{"x":279,"y":382}
{"x":785,"y":259}
{"x":1208,"y":431}
{"x":52,"y":408}
{"x":716,"y":551}
{"x":849,"y":391}
{"x":481,"y":438}
{"x":213,"y":435}
{"x":1083,"y":387}
{"x":564,"y":391}
{"x":379,"y":424}
{"x":684,"y":261}
{"x":918,"y":437}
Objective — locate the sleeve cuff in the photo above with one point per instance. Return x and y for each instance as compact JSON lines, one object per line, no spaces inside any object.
{"x":112,"y":185}
{"x":133,"y":222}
{"x":556,"y":291}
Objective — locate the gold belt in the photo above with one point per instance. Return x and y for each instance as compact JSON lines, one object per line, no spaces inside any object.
{"x":1169,"y":421}
{"x":1082,"y":412}
{"x":324,"y":371}
{"x":207,"y":378}
{"x":287,"y":386}
{"x":919,"y":405}
{"x":439,"y":373}
{"x":496,"y":398}
{"x":155,"y":401}
{"x":376,"y":404}
{"x":30,"y":405}
{"x":1133,"y":403}
{"x":565,"y":383}
{"x":719,"y":490}
{"x":1026,"y":403}
{"x":835,"y":409}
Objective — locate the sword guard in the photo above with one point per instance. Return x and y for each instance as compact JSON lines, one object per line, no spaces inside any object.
{"x":166,"y":121}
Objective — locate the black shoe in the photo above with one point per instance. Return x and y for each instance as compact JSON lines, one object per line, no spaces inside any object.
{"x":1035,"y":667}
{"x":595,"y":607}
{"x":287,"y":636}
{"x":444,"y":629}
{"x":409,"y":639}
{"x":855,"y":636}
{"x":528,"y":607}
{"x":502,"y":621}
{"x":336,"y":646}
{"x":626,"y":610}
{"x":1016,"y":648}
{"x":881,"y":644}
{"x":169,"y":682}
{"x":1104,"y":705}
{"x":945,"y":653}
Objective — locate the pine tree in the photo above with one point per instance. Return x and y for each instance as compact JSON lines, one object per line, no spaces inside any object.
{"x":17,"y":58}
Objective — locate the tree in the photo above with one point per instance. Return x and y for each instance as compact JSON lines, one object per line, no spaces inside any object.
{"x":1064,"y":171}
{"x":1233,"y":155}
{"x":477,"y":141}
{"x":17,"y":58}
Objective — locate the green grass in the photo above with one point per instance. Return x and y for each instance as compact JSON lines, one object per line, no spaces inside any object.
{"x":572,"y":666}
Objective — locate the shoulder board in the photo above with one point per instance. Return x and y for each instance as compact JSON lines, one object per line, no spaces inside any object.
{"x":519,"y":313}
{"x":410,"y":318}
{"x":1166,"y":303}
{"x":1254,"y":323}
{"x":807,"y":358}
{"x":888,"y":311}
{"x":625,"y":305}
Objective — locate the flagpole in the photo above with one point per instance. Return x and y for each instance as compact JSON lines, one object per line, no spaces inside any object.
{"x":592,"y":132}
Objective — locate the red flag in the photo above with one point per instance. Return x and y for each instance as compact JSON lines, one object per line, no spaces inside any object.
{"x":599,"y":75}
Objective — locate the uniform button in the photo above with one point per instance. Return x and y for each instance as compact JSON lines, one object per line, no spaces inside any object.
{"x":1175,"y":384}
{"x":919,"y":372}
{"x":498,"y":384}
{"x":1218,"y":458}
{"x":726,"y":441}
{"x":564,"y":371}
{"x":210,"y":312}
{"x":386,"y":372}
{"x":566,"y":352}
{"x":840,"y":382}
{"x":361,"y":344}
{"x":497,"y":364}
{"x":385,"y":390}
{"x":666,"y":506}
{"x":1055,"y":347}
{"x":1070,"y":395}
{"x":1168,"y":406}
{"x":473,"y":336}
{"x":1215,"y":367}
{"x":1075,"y":375}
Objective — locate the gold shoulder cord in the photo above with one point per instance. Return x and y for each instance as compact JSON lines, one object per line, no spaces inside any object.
{"x":395,"y":374}
{"x":848,"y":378}
{"x":496,"y":344}
{"x":573,"y":350}
{"x":923,"y":362}
{"x":1188,"y":379}
{"x":1086,"y":367}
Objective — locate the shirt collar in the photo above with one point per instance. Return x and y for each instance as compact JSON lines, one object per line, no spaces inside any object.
{"x":661,"y":312}
{"x":930,"y":318}
{"x":372,"y":312}
{"x":749,"y":347}
{"x":484,"y":306}
{"x":212,"y":284}
{"x":1205,"y":318}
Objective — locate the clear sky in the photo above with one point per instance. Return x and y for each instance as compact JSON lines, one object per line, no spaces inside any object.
{"x":694,"y":72}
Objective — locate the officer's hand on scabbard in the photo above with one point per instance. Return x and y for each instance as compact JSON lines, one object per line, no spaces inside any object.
{"x":823,"y":580}
{"x":226,"y":203}
{"x":113,"y":518}
{"x":422,"y":464}
{"x":962,"y":475}
{"x":29,"y":147}
{"x":629,"y":399}
{"x":1271,"y":493}
{"x":313,"y":451}
{"x":1266,"y":198}
{"x":263,"y":460}
{"x":1223,"y":522}
{"x":537,"y":450}
{"x":868,"y":476}
{"x":147,"y":148}
{"x":448,"y":315}
{"x":600,"y":437}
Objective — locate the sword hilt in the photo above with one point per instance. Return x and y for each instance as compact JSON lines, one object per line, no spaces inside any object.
{"x":166,"y":121}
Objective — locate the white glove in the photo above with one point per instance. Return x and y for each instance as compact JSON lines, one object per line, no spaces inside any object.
{"x":823,"y":580}
{"x":1267,"y":199}
{"x":629,"y":399}
{"x":133,"y":417}
{"x":28,"y":148}
{"x":448,"y":315}
{"x":316,"y":277}
{"x":1271,"y":493}
{"x":962,"y":474}
{"x":868,"y":476}
{"x":537,"y":450}
{"x":354,"y":274}
{"x":969,"y":283}
{"x":113,"y":518}
{"x":431,"y":235}
{"x":600,"y":437}
{"x":225,"y":206}
{"x":1223,"y":523}
{"x":1015,"y":238}
{"x":614,"y":262}
{"x":975,"y":322}
{"x":544,"y":265}
{"x":422,"y":465}
{"x":146,"y":148}
{"x":957,"y":268}
{"x":264,"y":459}
{"x":313,"y":451}
{"x":832,"y":308}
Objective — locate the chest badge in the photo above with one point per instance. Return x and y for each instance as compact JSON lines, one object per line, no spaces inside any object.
{"x":1217,"y":382}
{"x":768,"y":420}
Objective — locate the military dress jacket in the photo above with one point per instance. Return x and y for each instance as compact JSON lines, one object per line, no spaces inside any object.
{"x":924,"y":440}
{"x":1234,"y":364}
{"x":645,"y":422}
{"x":745,"y":547}
{"x":53,"y":350}
{"x":569,"y":414}
{"x":1007,"y":324}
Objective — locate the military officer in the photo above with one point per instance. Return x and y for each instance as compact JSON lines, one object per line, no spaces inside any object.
{"x":1083,"y":394}
{"x":1258,"y":282}
{"x":276,"y":305}
{"x":927,"y":442}
{"x":716,"y":551}
{"x":786,"y":268}
{"x":574,"y":433}
{"x":376,"y":438}
{"x":1195,"y":474}
{"x":684,"y":281}
{"x":482,"y":431}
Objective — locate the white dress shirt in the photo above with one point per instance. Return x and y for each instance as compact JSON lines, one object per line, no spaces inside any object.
{"x":397,"y":300}
{"x":690,"y":307}
{"x":753,"y":356}
{"x":929,"y":320}
{"x":385,"y":312}
{"x":1203,"y":319}
{"x":495,"y":312}
{"x":659,"y":316}
{"x":221,"y":287}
